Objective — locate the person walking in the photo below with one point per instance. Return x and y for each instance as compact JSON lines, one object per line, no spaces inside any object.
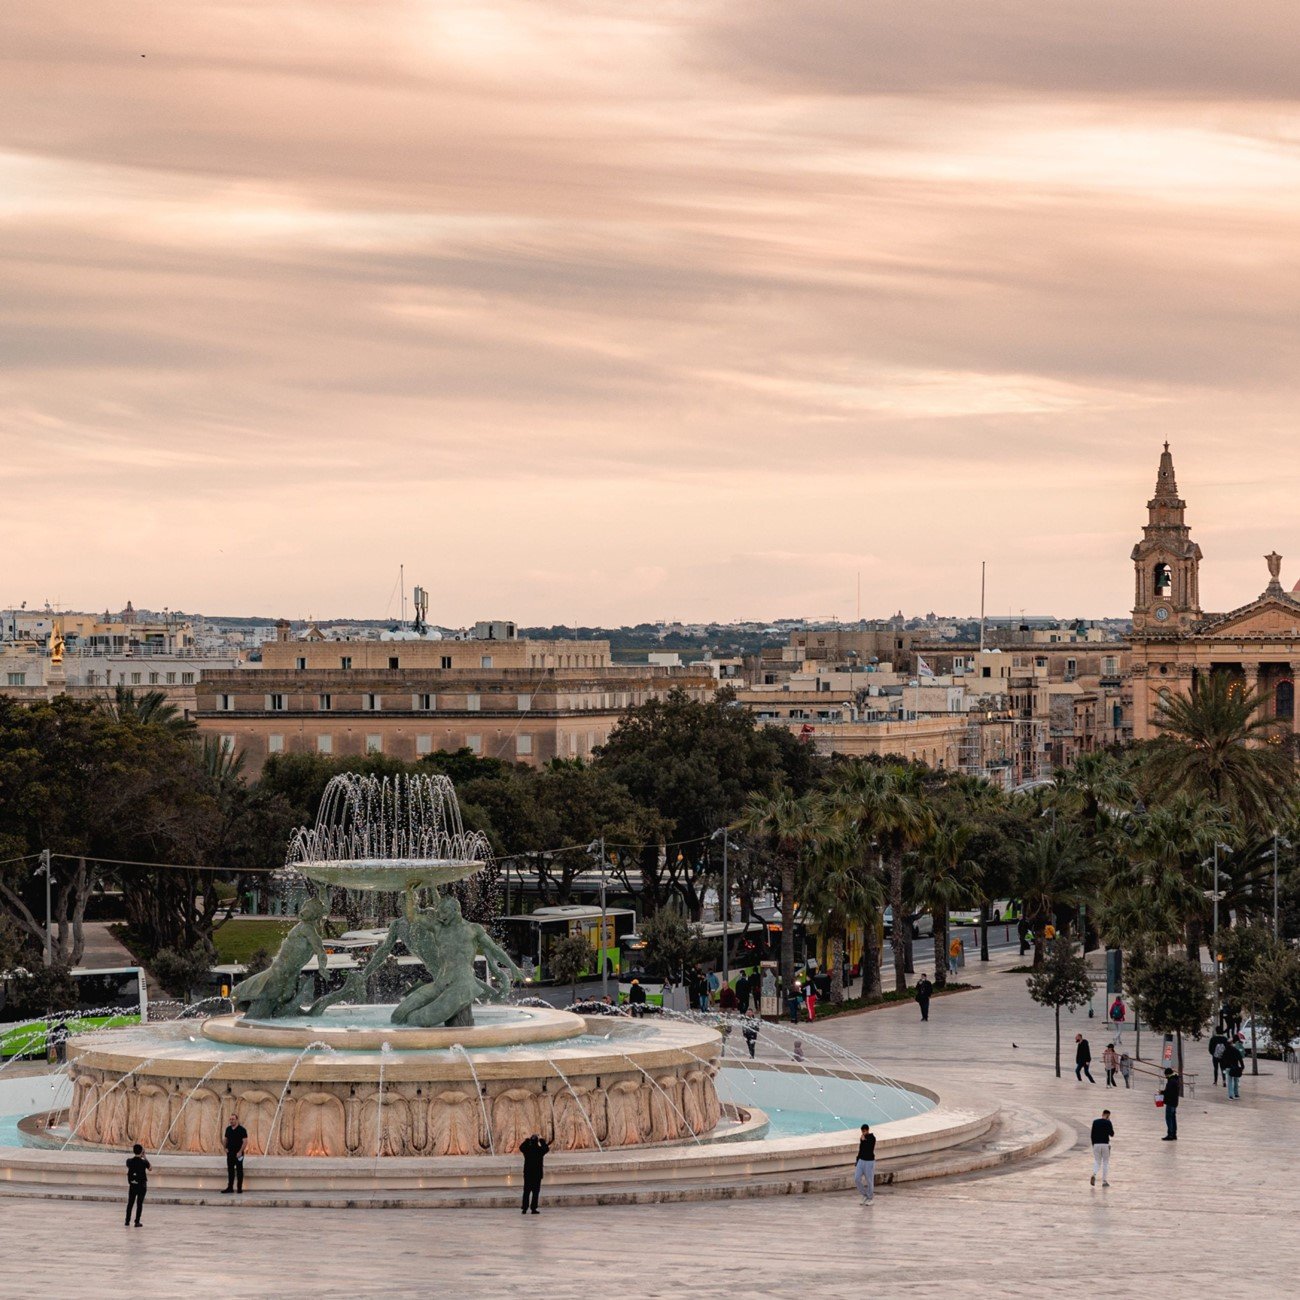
{"x":792,"y":1001}
{"x":810,"y":1000}
{"x":1022,"y":930}
{"x":1171,"y":1094}
{"x":1111,"y":1061}
{"x":636,"y":998}
{"x":924,"y":991}
{"x":1233,"y":1064}
{"x":1118,"y":1015}
{"x":137,"y":1183}
{"x":750,"y":1033}
{"x":727,"y":999}
{"x":742,"y":994}
{"x":954,"y":955}
{"x":1126,"y":1069}
{"x":864,"y":1167}
{"x":1102,"y":1132}
{"x":1082,"y":1059}
{"x":1217,"y":1046}
{"x":533,"y":1149}
{"x":236,"y":1140}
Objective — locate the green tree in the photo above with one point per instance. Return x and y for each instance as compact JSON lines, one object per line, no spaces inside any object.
{"x":568,"y":959}
{"x":1053,"y":873}
{"x":1249,"y":952}
{"x":672,"y":942}
{"x":149,"y":709}
{"x":1213,"y":747}
{"x":840,"y":890}
{"x":1062,"y":980}
{"x":941,"y":877}
{"x":1175,"y":996}
{"x":181,"y":972}
{"x":886,"y":803}
{"x":783,"y":825}
{"x":1273,"y":989}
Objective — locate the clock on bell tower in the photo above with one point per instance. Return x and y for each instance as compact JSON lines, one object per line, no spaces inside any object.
{"x":1166,"y":561}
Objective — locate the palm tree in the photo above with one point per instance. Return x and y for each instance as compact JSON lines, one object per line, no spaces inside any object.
{"x":1162,"y":856}
{"x":943,"y":877}
{"x":152,"y":709}
{"x":887,"y":806}
{"x":1096,"y":787}
{"x":1053,"y":872}
{"x":840,"y":889}
{"x":780,"y":822}
{"x":1214,"y":746}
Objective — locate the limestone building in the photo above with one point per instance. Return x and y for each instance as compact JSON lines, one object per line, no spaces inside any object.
{"x":1175,"y":643}
{"x":495,"y":693}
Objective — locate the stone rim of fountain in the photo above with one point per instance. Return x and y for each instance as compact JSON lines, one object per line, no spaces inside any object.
{"x":531,"y":1026}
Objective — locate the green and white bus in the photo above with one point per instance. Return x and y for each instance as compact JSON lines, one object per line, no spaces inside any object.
{"x":529,"y":938}
{"x":104,"y":998}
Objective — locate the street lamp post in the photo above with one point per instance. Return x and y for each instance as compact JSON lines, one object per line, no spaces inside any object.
{"x":1275,"y":886}
{"x":726,"y":904}
{"x":593,"y":847}
{"x":49,"y":942}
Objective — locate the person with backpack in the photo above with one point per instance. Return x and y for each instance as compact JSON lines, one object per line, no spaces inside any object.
{"x":1118,"y":1015}
{"x":1217,"y":1045}
{"x":1233,"y":1065}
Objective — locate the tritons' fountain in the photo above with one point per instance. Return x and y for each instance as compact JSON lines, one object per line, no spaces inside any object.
{"x":451,"y":1070}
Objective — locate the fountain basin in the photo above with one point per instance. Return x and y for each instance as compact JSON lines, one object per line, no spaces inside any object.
{"x":619,"y":1083}
{"x":390,"y":875}
{"x":368,"y":1028}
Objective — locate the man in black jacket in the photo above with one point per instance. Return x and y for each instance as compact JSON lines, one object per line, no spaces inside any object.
{"x":1171,"y":1094}
{"x":1218,"y":1042}
{"x":137,"y":1183}
{"x":924,"y":990}
{"x":1102,"y":1132}
{"x":864,"y":1167}
{"x":533,"y":1149}
{"x":1082,"y":1058}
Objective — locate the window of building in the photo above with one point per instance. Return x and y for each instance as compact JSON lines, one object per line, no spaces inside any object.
{"x":135,"y":679}
{"x":225,"y":703}
{"x":187,"y":679}
{"x":474,"y":744}
{"x":1284,"y":700}
{"x":523,"y":745}
{"x":392,"y":661}
{"x":472,"y":703}
{"x":987,"y":671}
{"x":1071,"y":667}
{"x":274,"y":744}
{"x":485,"y":661}
{"x":525,"y":703}
{"x":275,"y":703}
{"x":17,"y":679}
{"x":423,"y":703}
{"x":171,"y":679}
{"x":300,"y":663}
{"x":153,"y":679}
{"x":446,"y":661}
{"x":324,"y":744}
{"x":374,"y":744}
{"x":372,"y":703}
{"x":324,"y":702}
{"x":345,"y":662}
{"x":424,"y":744}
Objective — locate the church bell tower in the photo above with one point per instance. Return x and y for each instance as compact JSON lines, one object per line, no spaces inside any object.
{"x":1166,"y":562}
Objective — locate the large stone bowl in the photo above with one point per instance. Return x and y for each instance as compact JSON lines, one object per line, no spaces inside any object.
{"x":391,"y":875}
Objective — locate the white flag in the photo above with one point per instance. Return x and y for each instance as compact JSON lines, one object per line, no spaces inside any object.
{"x":923,"y":669}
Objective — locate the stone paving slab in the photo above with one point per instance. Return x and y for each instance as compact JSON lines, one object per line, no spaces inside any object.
{"x":1214,"y":1214}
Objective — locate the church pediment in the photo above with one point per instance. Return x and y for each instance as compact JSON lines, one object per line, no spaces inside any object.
{"x":1270,"y":615}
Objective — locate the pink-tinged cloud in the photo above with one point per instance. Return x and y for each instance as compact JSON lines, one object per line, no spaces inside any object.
{"x":602,"y":312}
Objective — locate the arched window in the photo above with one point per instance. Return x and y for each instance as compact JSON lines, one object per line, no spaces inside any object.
{"x":1163,"y":580}
{"x":1284,"y":700}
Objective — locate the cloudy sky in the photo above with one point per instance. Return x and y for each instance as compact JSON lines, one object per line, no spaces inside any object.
{"x":597,"y":312}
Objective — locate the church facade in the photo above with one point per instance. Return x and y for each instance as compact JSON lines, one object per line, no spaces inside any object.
{"x":1175,"y":643}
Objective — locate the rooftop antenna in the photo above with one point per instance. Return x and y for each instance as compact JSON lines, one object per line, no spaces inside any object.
{"x":859,"y":616}
{"x":983,"y":567}
{"x":401,"y":582}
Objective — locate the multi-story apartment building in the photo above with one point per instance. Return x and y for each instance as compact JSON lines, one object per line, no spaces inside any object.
{"x":495,"y":694}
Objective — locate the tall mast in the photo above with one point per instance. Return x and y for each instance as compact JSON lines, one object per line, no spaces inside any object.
{"x":983,"y":566}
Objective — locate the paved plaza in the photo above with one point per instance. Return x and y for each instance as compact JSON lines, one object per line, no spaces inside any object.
{"x":1212,"y":1214}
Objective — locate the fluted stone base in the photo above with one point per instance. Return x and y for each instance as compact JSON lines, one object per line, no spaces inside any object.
{"x":164,"y":1088}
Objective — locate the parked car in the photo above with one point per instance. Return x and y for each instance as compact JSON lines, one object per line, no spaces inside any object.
{"x":1263,"y":1040}
{"x":922,"y":924}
